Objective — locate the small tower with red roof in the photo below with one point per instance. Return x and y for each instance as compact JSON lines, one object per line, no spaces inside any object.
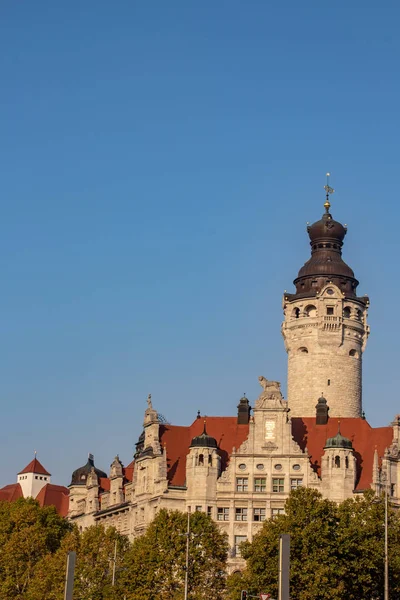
{"x":33,"y":478}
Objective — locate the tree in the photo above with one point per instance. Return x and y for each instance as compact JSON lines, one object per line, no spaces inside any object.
{"x":154,"y":566}
{"x":336,"y":550}
{"x":27,"y":534}
{"x":95,"y":549}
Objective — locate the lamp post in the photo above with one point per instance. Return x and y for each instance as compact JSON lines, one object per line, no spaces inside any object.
{"x":386,"y":582}
{"x":187,"y":556}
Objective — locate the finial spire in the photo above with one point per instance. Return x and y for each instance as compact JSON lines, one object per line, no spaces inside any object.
{"x":328,"y":191}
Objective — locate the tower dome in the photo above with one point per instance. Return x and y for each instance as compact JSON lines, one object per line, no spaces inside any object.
{"x":338,"y":441}
{"x":79,"y":476}
{"x":326,"y":263}
{"x":204,"y":440}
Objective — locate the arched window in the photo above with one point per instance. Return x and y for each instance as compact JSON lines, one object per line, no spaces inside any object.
{"x":303,"y":350}
{"x":296,"y":313}
{"x":310,"y":311}
{"x":337,"y":462}
{"x":201,"y":459}
{"x":353,"y":352}
{"x":210,"y":459}
{"x":347,"y":312}
{"x":347,"y":462}
{"x":359,"y":315}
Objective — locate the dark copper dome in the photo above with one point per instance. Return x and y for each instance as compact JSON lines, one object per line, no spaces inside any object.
{"x":326,"y":264}
{"x":204,"y":440}
{"x":79,"y":476}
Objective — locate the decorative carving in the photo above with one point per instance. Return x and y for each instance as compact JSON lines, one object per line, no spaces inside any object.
{"x":269,"y":385}
{"x":269,"y":446}
{"x":271,"y":396}
{"x":149,"y":404}
{"x":243,"y":447}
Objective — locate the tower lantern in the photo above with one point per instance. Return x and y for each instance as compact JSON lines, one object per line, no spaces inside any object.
{"x":325,"y":326}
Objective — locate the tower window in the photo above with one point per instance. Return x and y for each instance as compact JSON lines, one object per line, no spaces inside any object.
{"x":346,"y":312}
{"x":329,"y":310}
{"x":296,"y":313}
{"x":201,"y":459}
{"x":346,"y":462}
{"x":310,"y":311}
{"x":303,"y":350}
{"x":210,"y":459}
{"x":353,"y":352}
{"x":337,"y":462}
{"x":329,"y":382}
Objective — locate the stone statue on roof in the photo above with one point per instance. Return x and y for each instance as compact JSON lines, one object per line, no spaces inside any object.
{"x":266,"y":384}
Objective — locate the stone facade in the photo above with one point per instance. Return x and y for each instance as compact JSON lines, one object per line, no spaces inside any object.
{"x":240,"y":470}
{"x":325,"y":337}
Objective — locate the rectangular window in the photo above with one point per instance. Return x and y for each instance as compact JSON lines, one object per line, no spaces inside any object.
{"x":260,"y":484}
{"x":295,"y":483}
{"x":278,"y":485}
{"x":241,"y":514}
{"x":259,"y":514}
{"x":198,"y":509}
{"x":209,"y":511}
{"x":222,"y":514}
{"x":329,"y":310}
{"x":239,"y":539}
{"x":242,"y":484}
{"x":277,"y":511}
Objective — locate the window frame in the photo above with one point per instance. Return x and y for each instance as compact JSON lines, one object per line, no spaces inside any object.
{"x":280,"y":486}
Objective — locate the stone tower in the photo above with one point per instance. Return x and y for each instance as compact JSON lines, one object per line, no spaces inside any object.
{"x":325,"y":327}
{"x":338,"y":468}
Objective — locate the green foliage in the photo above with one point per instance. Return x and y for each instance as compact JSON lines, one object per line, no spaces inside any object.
{"x":337,"y":551}
{"x":95,"y":550}
{"x":154,"y":566}
{"x":27,"y":534}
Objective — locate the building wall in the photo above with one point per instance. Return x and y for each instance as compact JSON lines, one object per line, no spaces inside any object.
{"x":32,"y":483}
{"x":325,"y":352}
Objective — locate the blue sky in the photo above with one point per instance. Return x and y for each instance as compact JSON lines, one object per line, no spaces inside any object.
{"x":158,"y":163}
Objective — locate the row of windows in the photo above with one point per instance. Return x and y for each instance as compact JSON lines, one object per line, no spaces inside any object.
{"x":311,"y":311}
{"x":242,"y":514}
{"x":277,"y":467}
{"x":21,"y":477}
{"x":260,"y":484}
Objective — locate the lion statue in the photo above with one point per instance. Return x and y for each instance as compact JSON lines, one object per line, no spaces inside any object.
{"x":267,"y":384}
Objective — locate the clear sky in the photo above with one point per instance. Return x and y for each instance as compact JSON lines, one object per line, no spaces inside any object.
{"x":158,"y":163}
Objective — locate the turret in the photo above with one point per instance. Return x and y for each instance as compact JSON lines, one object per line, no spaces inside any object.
{"x":116,"y":482}
{"x":33,"y":478}
{"x":78,"y":489}
{"x":325,"y":327}
{"x":203,"y":467}
{"x":338,"y":468}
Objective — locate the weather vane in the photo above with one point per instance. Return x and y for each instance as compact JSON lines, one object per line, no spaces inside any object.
{"x":329,"y":191}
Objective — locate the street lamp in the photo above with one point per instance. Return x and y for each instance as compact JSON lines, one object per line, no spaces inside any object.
{"x":386,"y":580}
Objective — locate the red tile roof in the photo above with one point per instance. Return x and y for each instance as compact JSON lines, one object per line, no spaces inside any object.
{"x":104,"y":484}
{"x":128,"y":471}
{"x":177,"y":439}
{"x":11,"y":492}
{"x":34,"y":467}
{"x":363,"y":437}
{"x":54,"y":495}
